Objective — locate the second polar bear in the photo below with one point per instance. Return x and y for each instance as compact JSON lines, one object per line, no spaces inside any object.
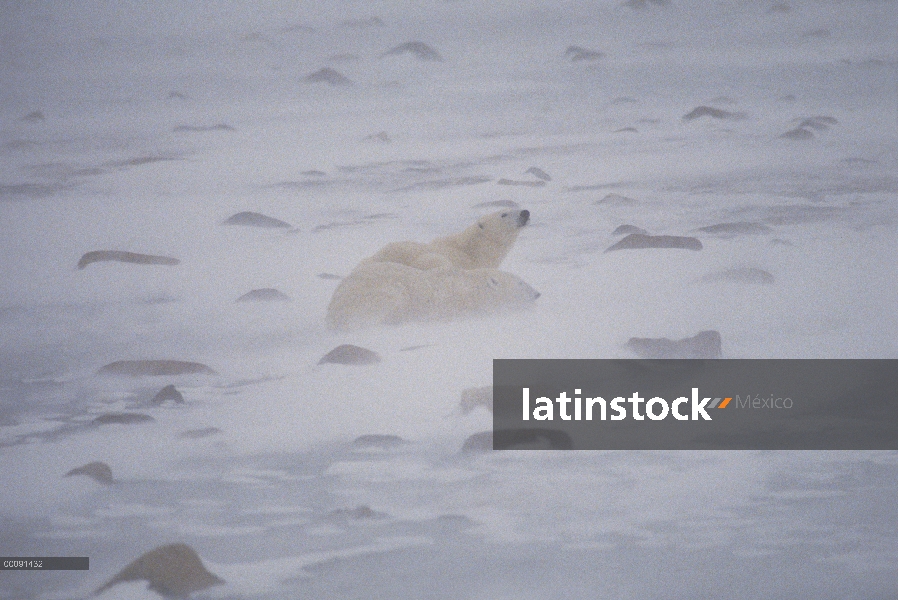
{"x":483,"y":245}
{"x":388,"y":293}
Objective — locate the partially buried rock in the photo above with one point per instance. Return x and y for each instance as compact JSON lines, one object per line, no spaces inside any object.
{"x":705,"y":344}
{"x":125,"y":257}
{"x":360,"y":512}
{"x":578,"y":53}
{"x":174,"y":571}
{"x":254,"y":219}
{"x":347,"y":354}
{"x":168,"y":393}
{"x":471,"y":398}
{"x":628,"y":229}
{"x":638,"y":241}
{"x":196,"y":434}
{"x":421,"y":51}
{"x":537,"y":172}
{"x":35,"y":116}
{"x":521,"y":183}
{"x":154,"y":368}
{"x":264,"y":295}
{"x":741,"y":275}
{"x":382,"y":137}
{"x":202,"y":128}
{"x":535,"y":438}
{"x":818,"y":123}
{"x":378,"y":440}
{"x":98,"y":471}
{"x":799,"y":133}
{"x":737,"y":228}
{"x":714,"y":113}
{"x":329,"y":76}
{"x":122,"y":418}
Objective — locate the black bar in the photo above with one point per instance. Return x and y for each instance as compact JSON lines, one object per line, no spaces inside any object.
{"x":44,"y":563}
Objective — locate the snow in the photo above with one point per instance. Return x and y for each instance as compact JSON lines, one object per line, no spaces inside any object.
{"x":104,"y":167}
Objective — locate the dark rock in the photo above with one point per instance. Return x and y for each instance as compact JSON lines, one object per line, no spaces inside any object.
{"x":421,"y":50}
{"x":168,"y":393}
{"x":628,"y":229}
{"x":202,"y":128}
{"x":174,"y":571}
{"x":329,"y":76}
{"x":518,"y":439}
{"x":471,"y":398}
{"x":537,"y":172}
{"x":706,"y":344}
{"x":616,"y":200}
{"x":382,"y":137}
{"x":819,"y":123}
{"x":347,"y":354}
{"x":637,"y":241}
{"x":122,"y":418}
{"x":155,"y":368}
{"x":34,"y":116}
{"x":710,"y":111}
{"x":737,"y":228}
{"x":378,"y":440}
{"x":521,"y":183}
{"x":98,"y":471}
{"x":264,"y":295}
{"x":195,"y":434}
{"x":578,"y":53}
{"x":138,"y":161}
{"x":799,"y":133}
{"x":358,"y":513}
{"x":254,"y":219}
{"x":125,"y":257}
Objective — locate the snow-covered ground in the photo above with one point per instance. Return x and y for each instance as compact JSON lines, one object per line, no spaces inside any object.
{"x":141,"y":127}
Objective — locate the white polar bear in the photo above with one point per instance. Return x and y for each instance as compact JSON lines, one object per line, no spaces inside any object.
{"x":483,"y":245}
{"x":387,"y":293}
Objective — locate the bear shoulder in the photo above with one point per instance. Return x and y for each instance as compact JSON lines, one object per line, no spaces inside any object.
{"x":485,"y":244}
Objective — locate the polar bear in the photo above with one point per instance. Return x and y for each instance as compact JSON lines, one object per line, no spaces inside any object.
{"x":483,"y":245}
{"x":388,"y":293}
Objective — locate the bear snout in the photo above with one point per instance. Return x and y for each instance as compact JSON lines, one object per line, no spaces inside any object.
{"x":523,"y":218}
